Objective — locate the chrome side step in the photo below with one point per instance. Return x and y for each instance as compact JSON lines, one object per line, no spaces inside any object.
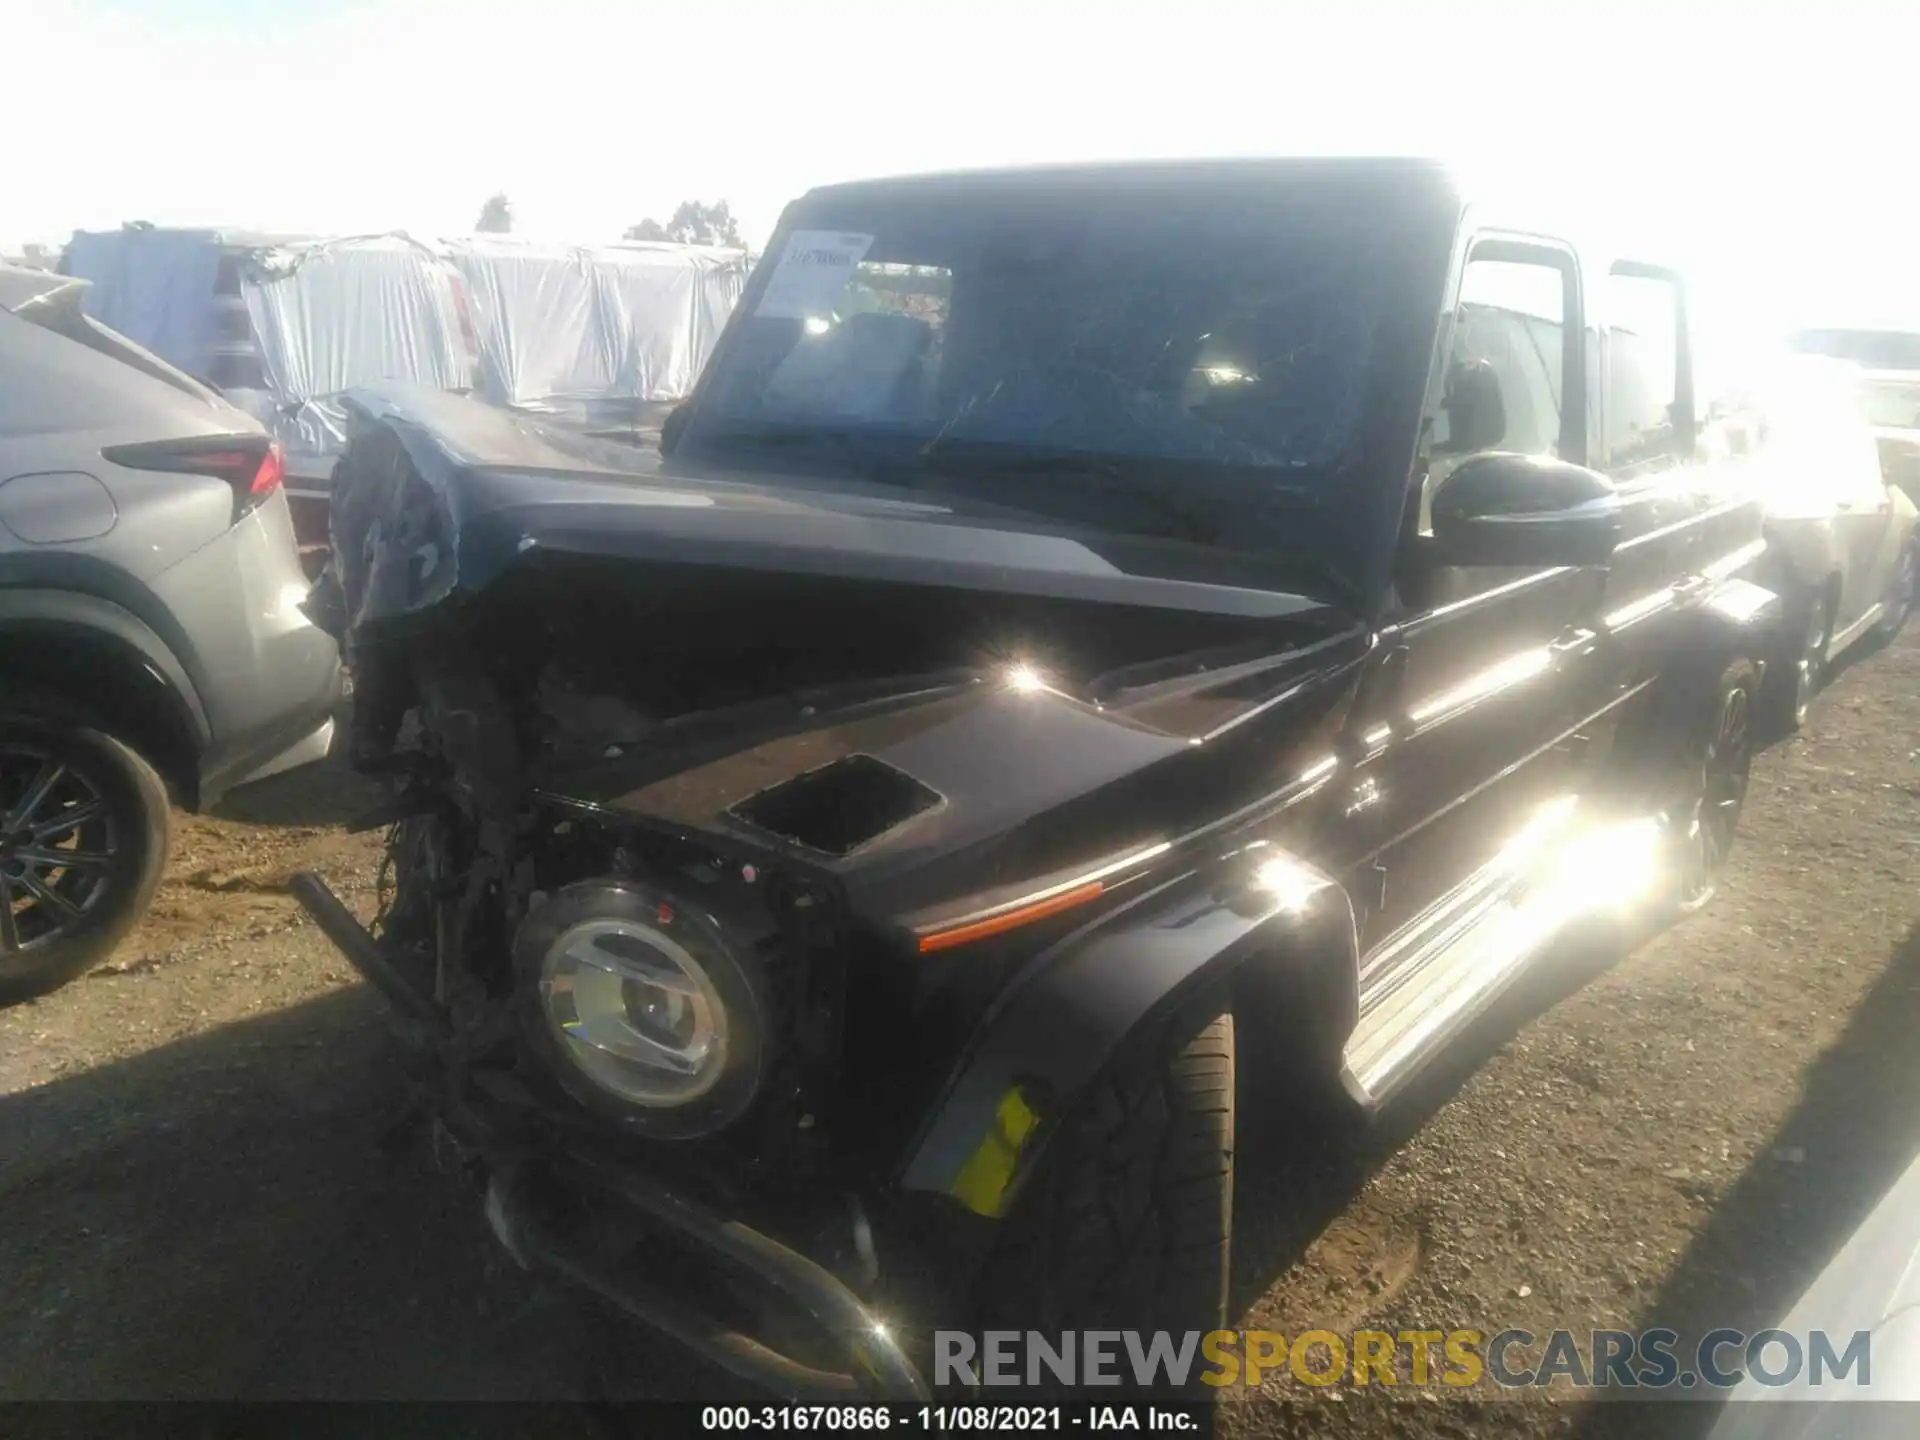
{"x":1425,"y":986}
{"x":1447,"y":984}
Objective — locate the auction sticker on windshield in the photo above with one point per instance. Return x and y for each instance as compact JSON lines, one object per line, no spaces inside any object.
{"x":814,"y":270}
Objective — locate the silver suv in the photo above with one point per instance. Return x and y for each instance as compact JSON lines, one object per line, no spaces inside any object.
{"x":151,"y":641}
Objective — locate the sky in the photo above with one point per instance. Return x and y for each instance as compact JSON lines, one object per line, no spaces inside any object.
{"x":1772,"y":143}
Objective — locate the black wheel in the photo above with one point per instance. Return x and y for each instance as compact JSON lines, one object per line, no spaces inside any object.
{"x":83,"y":840}
{"x":1798,"y":667}
{"x":1709,"y":788}
{"x":1129,"y":1223}
{"x":1899,"y":601}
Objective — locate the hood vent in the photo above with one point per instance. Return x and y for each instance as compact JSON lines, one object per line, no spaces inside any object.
{"x":839,"y":807}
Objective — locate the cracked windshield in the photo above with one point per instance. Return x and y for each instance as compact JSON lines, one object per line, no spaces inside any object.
{"x":1086,"y":334}
{"x":1104,"y":359}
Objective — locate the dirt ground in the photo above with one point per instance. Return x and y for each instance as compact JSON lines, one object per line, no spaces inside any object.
{"x":194,"y":1205}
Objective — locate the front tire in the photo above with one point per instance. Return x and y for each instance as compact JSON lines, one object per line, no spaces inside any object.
{"x":83,"y":841}
{"x":1129,"y":1224}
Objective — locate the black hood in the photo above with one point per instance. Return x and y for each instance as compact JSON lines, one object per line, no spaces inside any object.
{"x":439,"y":495}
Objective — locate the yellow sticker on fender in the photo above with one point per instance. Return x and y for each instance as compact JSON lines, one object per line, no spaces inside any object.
{"x":982,"y":1182}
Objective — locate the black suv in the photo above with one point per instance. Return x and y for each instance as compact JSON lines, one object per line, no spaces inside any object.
{"x":1101,"y":646}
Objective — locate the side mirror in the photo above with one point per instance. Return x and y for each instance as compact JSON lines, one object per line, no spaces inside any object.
{"x":1522,"y":511}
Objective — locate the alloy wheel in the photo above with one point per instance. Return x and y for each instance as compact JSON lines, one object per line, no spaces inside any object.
{"x":59,"y":846}
{"x":1705,"y":822}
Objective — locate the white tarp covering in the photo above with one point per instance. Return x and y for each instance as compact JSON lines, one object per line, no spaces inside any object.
{"x":594,"y":333}
{"x":338,"y":314}
{"x":589,"y":335}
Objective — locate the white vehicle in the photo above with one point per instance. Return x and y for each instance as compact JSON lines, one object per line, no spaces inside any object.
{"x":1891,"y":360}
{"x":1872,"y":1285}
{"x":1840,"y":537}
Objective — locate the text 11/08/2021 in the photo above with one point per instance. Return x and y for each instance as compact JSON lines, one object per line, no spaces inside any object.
{"x":954,"y":1419}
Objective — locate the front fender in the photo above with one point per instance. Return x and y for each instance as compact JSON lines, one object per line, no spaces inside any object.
{"x":1061,"y":1020}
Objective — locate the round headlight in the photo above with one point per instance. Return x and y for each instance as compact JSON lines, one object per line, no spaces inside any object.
{"x":642,"y":1008}
{"x":637,"y":1013}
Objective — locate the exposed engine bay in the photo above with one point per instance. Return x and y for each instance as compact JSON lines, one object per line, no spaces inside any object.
{"x":668,"y":986}
{"x":626,"y":1031}
{"x":737,"y":794}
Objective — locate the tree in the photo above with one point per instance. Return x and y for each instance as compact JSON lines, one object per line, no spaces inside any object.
{"x":693,"y":223}
{"x":496,"y":216}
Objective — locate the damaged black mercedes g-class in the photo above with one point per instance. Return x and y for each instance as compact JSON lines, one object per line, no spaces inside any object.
{"x":1100,"y":647}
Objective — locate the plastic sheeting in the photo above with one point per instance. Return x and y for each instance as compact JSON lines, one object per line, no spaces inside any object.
{"x":594,"y":335}
{"x":154,"y":286}
{"x":334,"y":315}
{"x":590,"y":336}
